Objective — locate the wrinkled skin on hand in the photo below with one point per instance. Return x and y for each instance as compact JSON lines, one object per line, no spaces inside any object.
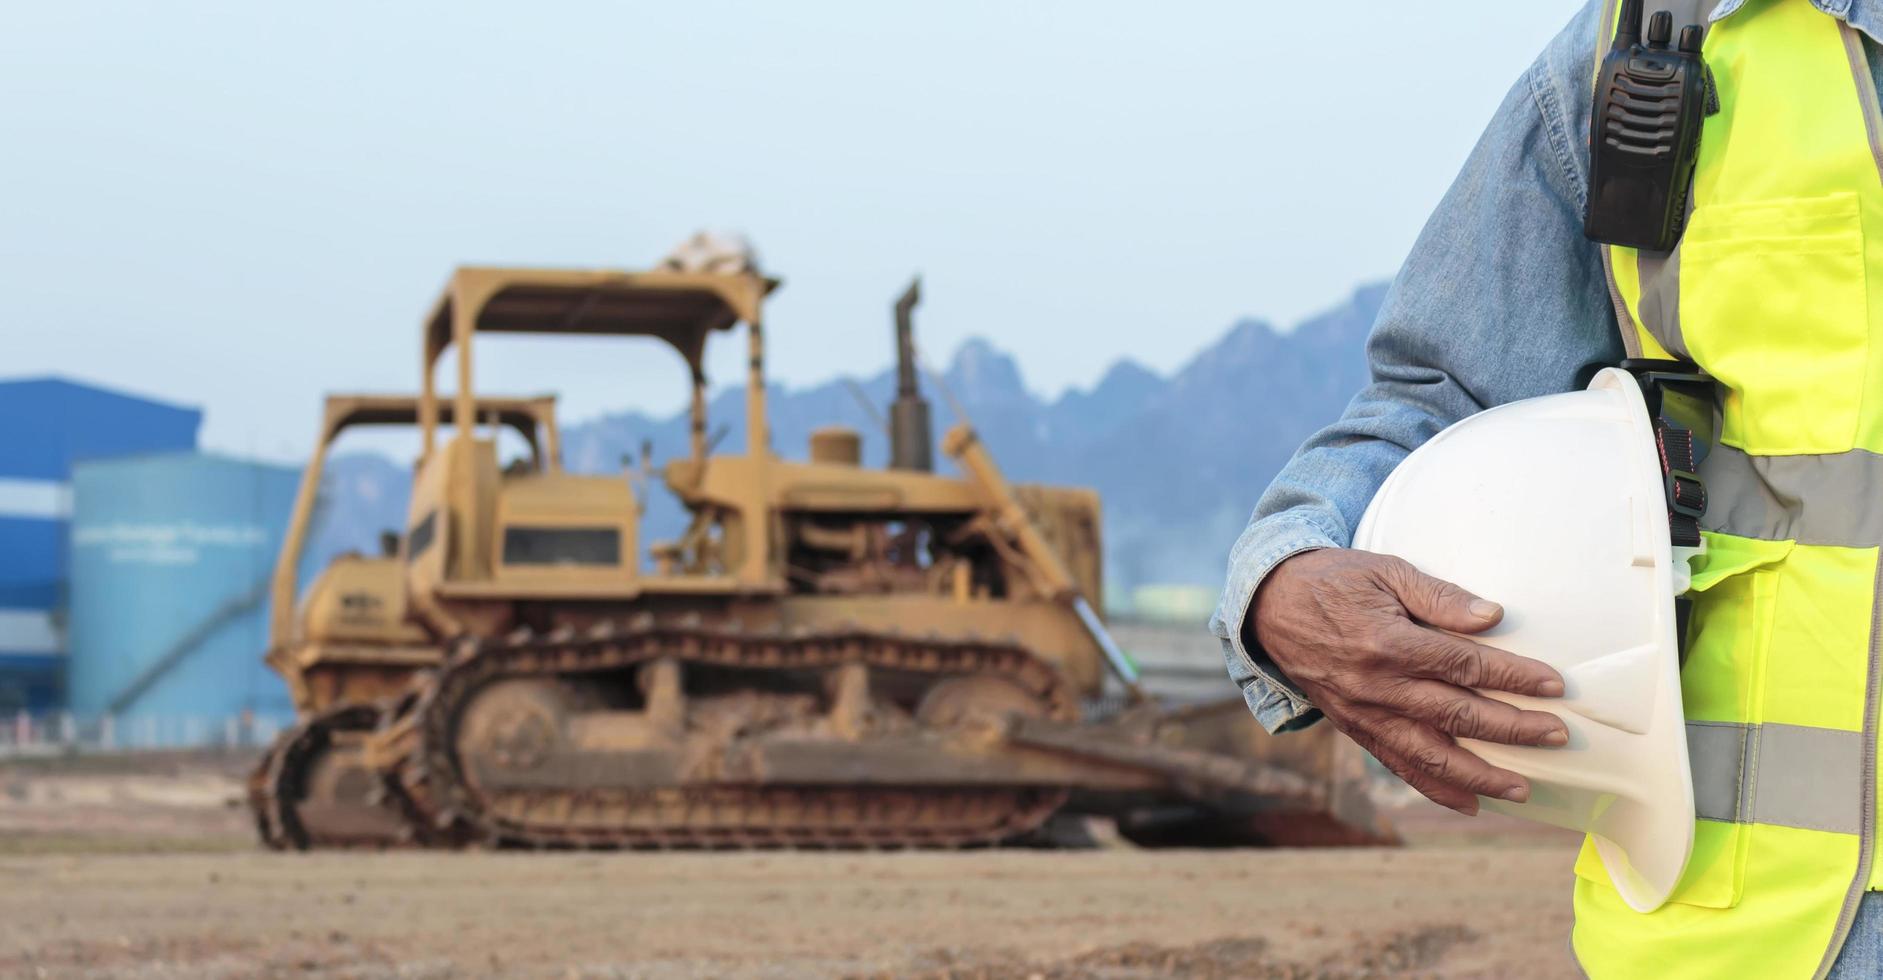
{"x":1364,"y":637}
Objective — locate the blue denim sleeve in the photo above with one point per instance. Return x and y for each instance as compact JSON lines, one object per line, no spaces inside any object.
{"x":1501,"y":298}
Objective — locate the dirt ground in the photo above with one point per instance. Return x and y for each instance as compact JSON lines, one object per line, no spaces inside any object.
{"x":151,"y":871}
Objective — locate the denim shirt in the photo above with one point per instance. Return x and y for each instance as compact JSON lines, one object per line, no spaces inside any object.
{"x":1502,"y":298}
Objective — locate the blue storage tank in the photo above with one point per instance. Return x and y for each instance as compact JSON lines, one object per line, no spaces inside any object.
{"x":51,"y":424}
{"x":171,"y":559}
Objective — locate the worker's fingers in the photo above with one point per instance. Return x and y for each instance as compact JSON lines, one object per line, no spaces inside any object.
{"x":1434,"y":754}
{"x":1444,"y":794}
{"x":1423,"y":652}
{"x":1448,"y":796}
{"x":1461,"y":713}
{"x":1436,"y":601}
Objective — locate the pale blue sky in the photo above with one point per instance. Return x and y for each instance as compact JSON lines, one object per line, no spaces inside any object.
{"x":242,"y":206}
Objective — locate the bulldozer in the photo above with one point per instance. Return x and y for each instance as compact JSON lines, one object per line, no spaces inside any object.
{"x":829,"y":655}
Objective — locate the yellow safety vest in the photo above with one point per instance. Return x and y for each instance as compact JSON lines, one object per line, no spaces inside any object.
{"x":1770,"y":292}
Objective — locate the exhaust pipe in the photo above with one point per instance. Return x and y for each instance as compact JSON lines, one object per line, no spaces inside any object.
{"x":910,"y":443}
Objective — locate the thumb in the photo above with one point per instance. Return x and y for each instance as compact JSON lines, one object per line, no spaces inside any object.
{"x":1439,"y":603}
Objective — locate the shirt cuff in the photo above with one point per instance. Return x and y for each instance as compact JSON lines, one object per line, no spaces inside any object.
{"x":1276,"y":702}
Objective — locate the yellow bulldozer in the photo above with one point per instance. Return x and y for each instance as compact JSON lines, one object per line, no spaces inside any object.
{"x":829,"y":654}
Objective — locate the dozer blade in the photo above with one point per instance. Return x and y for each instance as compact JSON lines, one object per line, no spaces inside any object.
{"x":1306,"y":789}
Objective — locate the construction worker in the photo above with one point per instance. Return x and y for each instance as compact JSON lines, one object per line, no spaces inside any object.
{"x":1504,"y":298}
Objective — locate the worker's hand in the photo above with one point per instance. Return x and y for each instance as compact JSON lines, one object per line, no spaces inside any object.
{"x":1363,"y":636}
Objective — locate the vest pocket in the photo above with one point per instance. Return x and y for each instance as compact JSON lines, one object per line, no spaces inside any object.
{"x":1735,"y":586}
{"x":1774,"y":303}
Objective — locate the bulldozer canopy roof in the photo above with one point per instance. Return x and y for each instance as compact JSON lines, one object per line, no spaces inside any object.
{"x":522,"y":414}
{"x":682,"y":308}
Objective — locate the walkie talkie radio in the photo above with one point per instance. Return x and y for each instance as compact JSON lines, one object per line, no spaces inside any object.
{"x":1644,"y":135}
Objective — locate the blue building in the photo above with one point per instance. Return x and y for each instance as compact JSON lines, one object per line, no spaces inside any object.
{"x":50,"y":424}
{"x":171,"y":559}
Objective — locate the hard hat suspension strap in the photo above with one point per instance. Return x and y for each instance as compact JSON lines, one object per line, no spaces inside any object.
{"x":1681,"y":403}
{"x":1686,"y":495}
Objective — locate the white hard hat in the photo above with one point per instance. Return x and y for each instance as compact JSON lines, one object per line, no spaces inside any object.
{"x":1555,"y":508}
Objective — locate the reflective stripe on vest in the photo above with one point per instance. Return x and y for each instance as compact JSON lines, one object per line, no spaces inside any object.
{"x":1785,"y":775}
{"x":1776,"y":290}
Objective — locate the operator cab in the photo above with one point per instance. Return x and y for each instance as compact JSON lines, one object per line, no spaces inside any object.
{"x":476,"y":532}
{"x":353,"y":619}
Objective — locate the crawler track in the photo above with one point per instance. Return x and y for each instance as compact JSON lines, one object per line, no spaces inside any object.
{"x":261,"y":800}
{"x":430,"y":774}
{"x":280,"y":785}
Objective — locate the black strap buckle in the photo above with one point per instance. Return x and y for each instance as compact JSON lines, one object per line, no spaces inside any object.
{"x":1686,"y":495}
{"x":1680,"y":401}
